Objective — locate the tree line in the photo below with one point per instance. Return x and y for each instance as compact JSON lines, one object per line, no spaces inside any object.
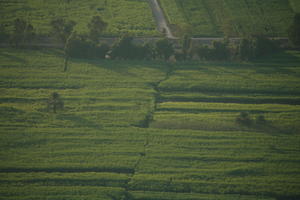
{"x":88,"y":45}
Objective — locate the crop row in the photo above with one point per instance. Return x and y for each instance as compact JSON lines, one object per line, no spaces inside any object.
{"x":230,"y":17}
{"x":122,"y":16}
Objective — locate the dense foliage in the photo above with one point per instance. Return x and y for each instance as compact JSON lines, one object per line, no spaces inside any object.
{"x":294,"y":30}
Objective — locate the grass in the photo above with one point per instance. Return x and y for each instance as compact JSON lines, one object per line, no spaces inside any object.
{"x":99,"y":146}
{"x":256,"y":78}
{"x":118,"y":14}
{"x":230,"y":17}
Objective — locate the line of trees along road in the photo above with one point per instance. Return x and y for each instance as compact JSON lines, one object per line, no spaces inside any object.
{"x":88,"y":46}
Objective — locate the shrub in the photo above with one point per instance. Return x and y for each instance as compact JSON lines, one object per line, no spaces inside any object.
{"x":220,"y":51}
{"x":125,"y":49}
{"x":263,"y":46}
{"x":260,"y":120}
{"x":256,"y":47}
{"x":244,"y":119}
{"x":245,"y":50}
{"x":23,"y":33}
{"x":164,"y":48}
{"x":204,"y":52}
{"x":79,"y":47}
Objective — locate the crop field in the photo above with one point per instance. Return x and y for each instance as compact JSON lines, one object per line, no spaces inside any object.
{"x":141,"y":130}
{"x":231,"y":17}
{"x":117,"y":13}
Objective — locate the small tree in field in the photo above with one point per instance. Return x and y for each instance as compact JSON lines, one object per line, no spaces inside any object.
{"x":23,"y":32}
{"x":63,"y":30}
{"x":164,"y":48}
{"x":244,"y":119}
{"x":260,"y":120}
{"x":55,"y":102}
{"x":96,"y":28}
{"x":294,"y":30}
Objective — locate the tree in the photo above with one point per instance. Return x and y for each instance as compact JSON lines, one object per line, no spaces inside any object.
{"x":55,"y":102}
{"x":186,"y":46}
{"x":23,"y":32}
{"x":220,"y":51}
{"x":294,"y":30}
{"x":204,"y":52}
{"x":244,"y":119}
{"x":164,"y":48}
{"x":260,"y":120}
{"x":96,"y":27}
{"x":256,"y":47}
{"x":80,"y":47}
{"x":245,"y":49}
{"x":123,"y":48}
{"x":63,"y":30}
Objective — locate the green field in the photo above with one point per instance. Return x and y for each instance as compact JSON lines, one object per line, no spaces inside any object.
{"x":148,"y":130}
{"x":117,"y":13}
{"x":231,"y":17}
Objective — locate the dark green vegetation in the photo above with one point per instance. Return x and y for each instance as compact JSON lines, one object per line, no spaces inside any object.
{"x":231,"y":17}
{"x":117,"y":13}
{"x":148,"y":130}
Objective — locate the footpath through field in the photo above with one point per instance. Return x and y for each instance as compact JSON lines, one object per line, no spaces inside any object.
{"x":160,"y":19}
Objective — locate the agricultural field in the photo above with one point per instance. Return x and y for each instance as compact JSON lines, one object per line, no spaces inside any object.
{"x":144,"y":130}
{"x":117,"y":13}
{"x":231,"y":17}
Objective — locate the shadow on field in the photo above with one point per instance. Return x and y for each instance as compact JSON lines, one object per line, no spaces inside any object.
{"x":79,"y":121}
{"x":13,"y":57}
{"x":122,"y":66}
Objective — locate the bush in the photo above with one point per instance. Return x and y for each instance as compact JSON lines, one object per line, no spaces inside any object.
{"x":245,"y":50}
{"x":204,"y":53}
{"x":23,"y":33}
{"x":220,"y":51}
{"x":79,"y":47}
{"x":125,"y":49}
{"x":164,"y":49}
{"x":244,"y":119}
{"x":256,"y":47}
{"x":260,"y":120}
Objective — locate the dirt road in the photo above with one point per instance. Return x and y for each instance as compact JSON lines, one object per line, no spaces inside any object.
{"x":160,"y":19}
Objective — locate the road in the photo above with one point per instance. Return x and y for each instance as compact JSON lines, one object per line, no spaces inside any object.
{"x":160,"y":19}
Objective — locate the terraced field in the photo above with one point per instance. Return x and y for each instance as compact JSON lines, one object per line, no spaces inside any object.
{"x":117,"y":13}
{"x":148,"y":130}
{"x":231,"y":17}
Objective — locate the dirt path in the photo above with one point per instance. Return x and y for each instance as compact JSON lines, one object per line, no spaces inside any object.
{"x":160,"y":19}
